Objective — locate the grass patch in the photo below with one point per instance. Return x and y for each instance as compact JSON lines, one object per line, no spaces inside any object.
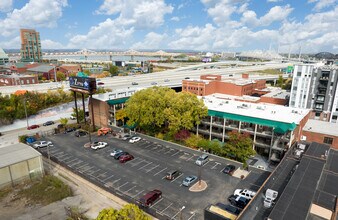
{"x":74,"y":213}
{"x":49,"y":189}
{"x":270,"y":71}
{"x":4,"y":192}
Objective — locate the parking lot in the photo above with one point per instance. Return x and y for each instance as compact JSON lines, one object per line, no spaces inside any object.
{"x":147,"y":171}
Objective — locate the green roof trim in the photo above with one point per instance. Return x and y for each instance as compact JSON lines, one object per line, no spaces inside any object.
{"x":117,"y":101}
{"x":279,"y":127}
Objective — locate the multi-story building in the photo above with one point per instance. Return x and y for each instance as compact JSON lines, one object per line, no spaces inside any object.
{"x":3,"y":57}
{"x":16,"y":80}
{"x":30,"y":45}
{"x":315,"y":87}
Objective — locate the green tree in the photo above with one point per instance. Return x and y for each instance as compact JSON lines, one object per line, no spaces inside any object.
{"x":128,"y":212}
{"x":239,"y":146}
{"x":64,"y":121}
{"x":114,"y":70}
{"x":80,"y":114}
{"x":60,"y":76}
{"x":193,"y":141}
{"x":280,"y":81}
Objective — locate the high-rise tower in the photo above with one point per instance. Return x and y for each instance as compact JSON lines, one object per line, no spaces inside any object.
{"x":30,"y":45}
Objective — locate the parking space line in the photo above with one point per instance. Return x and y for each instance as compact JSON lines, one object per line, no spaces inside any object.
{"x":123,"y":185}
{"x":71,"y":165}
{"x":176,"y":214}
{"x":72,"y":160}
{"x":176,"y":178}
{"x":205,"y":163}
{"x":85,"y":170}
{"x":138,"y":194}
{"x":82,"y":166}
{"x":165,"y":208}
{"x":176,"y":153}
{"x":107,"y":178}
{"x":222,"y":170}
{"x":56,"y":155}
{"x":152,"y":168}
{"x":117,"y":180}
{"x":135,"y":164}
{"x":156,"y":202}
{"x":103,"y":174}
{"x":169,"y":151}
{"x":145,"y":165}
{"x":67,"y":157}
{"x":160,"y":171}
{"x":190,"y":158}
{"x":216,"y":164}
{"x":94,"y":171}
{"x":129,"y":189}
{"x":193,"y":214}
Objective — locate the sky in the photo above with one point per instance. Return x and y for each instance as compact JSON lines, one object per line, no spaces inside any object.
{"x":201,"y":25}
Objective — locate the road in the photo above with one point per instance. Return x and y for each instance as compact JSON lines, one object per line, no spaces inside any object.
{"x":174,"y":76}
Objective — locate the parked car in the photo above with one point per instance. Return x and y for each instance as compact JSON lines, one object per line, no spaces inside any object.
{"x":40,"y":144}
{"x":118,"y":155}
{"x":81,"y":133}
{"x":126,"y":137}
{"x":104,"y":131}
{"x":189,"y":180}
{"x":149,"y":198}
{"x":238,"y":201}
{"x":47,"y":123}
{"x":154,"y":83}
{"x":229,"y":169}
{"x":60,"y":126}
{"x":67,"y":130}
{"x":32,"y":127}
{"x":172,"y":174}
{"x":115,"y":151}
{"x":245,"y":193}
{"x":166,"y":80}
{"x":201,"y":160}
{"x":134,"y":139}
{"x":125,"y":158}
{"x":229,"y":208}
{"x":30,"y":140}
{"x":187,"y":78}
{"x":134,"y":83}
{"x":72,"y":117}
{"x":100,"y":83}
{"x":98,"y":145}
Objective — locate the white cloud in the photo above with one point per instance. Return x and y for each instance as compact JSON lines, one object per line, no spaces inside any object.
{"x":6,"y":5}
{"x":151,"y":41}
{"x":175,"y":18}
{"x":274,"y":0}
{"x":13,"y":43}
{"x":49,"y":44}
{"x":321,"y":4}
{"x":36,"y":13}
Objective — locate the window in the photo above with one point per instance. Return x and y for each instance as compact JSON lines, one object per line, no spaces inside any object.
{"x":299,"y":73}
{"x":328,"y":140}
{"x":334,"y":117}
{"x":317,"y":114}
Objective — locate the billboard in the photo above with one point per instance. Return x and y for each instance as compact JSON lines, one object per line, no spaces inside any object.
{"x":83,"y":83}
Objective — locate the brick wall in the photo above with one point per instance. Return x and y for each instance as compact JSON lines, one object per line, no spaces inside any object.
{"x":101,"y":113}
{"x":317,"y":137}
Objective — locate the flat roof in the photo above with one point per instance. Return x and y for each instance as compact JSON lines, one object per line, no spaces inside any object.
{"x":256,"y":110}
{"x":117,"y":93}
{"x":233,"y":97}
{"x":276,"y":93}
{"x":321,"y":127}
{"x":16,"y":153}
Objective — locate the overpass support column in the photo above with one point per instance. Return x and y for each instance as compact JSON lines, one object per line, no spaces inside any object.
{"x":114,"y":115}
{"x":254,"y":140}
{"x":210,"y":128}
{"x":223,"y":137}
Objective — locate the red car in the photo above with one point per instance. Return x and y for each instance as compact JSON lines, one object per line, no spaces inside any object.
{"x":125,"y":158}
{"x":100,"y":83}
{"x":32,"y":127}
{"x":149,"y":198}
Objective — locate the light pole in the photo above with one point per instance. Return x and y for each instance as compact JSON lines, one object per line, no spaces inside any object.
{"x":24,"y":105}
{"x":183,"y":207}
{"x":54,"y":72}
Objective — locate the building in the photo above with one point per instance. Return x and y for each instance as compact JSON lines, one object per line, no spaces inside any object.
{"x":19,"y":162}
{"x":306,"y":186}
{"x":16,"y":80}
{"x":46,"y":71}
{"x":3,"y":57}
{"x":273,"y":128}
{"x":321,"y":132}
{"x":30,"y":46}
{"x":69,"y":69}
{"x":315,"y":87}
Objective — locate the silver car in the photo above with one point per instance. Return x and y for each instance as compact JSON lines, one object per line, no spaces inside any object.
{"x":189,"y":180}
{"x":39,"y":144}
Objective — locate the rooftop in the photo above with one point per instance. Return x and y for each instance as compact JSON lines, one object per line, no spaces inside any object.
{"x":321,"y":127}
{"x":276,"y":93}
{"x":3,"y":54}
{"x":16,"y":153}
{"x":256,"y":110}
{"x":41,"y":68}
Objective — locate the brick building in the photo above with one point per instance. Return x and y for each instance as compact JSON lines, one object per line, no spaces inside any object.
{"x":15,"y":80}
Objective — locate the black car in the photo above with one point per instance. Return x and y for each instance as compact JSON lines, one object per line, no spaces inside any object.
{"x":118,"y":155}
{"x":238,"y":201}
{"x":229,"y":169}
{"x":81,"y":133}
{"x":67,"y":130}
{"x":47,"y":123}
{"x":232,"y":209}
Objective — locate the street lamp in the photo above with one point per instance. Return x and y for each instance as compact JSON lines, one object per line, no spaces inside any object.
{"x":54,"y":72}
{"x":183,"y":207}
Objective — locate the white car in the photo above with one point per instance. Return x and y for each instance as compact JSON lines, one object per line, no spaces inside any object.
{"x":39,"y":144}
{"x":98,"y":145}
{"x":248,"y":194}
{"x":115,"y":151}
{"x":134,"y":139}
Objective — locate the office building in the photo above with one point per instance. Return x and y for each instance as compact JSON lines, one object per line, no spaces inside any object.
{"x":315,"y":87}
{"x":30,"y":46}
{"x":3,"y":57}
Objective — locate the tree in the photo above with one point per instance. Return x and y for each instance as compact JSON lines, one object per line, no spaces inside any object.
{"x":60,"y":76}
{"x":193,"y":141}
{"x":280,"y":81}
{"x":182,"y":135}
{"x":114,"y":70}
{"x":121,"y":115}
{"x":128,"y":212}
{"x":239,"y":146}
{"x":64,"y":121}
{"x":80,"y":114}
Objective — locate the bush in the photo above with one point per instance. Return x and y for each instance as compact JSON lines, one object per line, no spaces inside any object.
{"x":22,"y":139}
{"x":192,"y":141}
{"x":160,"y":136}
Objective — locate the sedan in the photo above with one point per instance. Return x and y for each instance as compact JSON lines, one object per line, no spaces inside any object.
{"x":189,"y":180}
{"x":134,"y":139}
{"x":98,"y":145}
{"x":115,"y":151}
{"x":154,"y":83}
{"x":32,"y":127}
{"x":39,"y":144}
{"x":100,"y":83}
{"x":81,"y":133}
{"x":47,"y":123}
{"x":134,"y":83}
{"x":125,"y":158}
{"x":166,"y":80}
{"x":67,"y":130}
{"x":118,"y":155}
{"x":229,"y":169}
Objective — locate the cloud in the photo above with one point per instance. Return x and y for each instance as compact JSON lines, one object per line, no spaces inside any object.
{"x":140,"y":14}
{"x":274,"y":0}
{"x":6,"y":5}
{"x":35,"y":13}
{"x":49,"y":44}
{"x":151,"y":41}
{"x":321,"y":4}
{"x":13,"y":43}
{"x":175,"y":18}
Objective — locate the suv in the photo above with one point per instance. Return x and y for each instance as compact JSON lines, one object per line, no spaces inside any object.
{"x":104,"y":131}
{"x":149,"y":198}
{"x":173,"y":174}
{"x":202,"y":160}
{"x":39,"y":144}
{"x":81,"y":133}
{"x":238,"y":201}
{"x":245,"y":193}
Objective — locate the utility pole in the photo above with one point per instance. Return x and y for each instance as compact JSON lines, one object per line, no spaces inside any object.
{"x":24,"y":105}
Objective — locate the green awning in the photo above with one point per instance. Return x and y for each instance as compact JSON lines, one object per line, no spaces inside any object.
{"x":279,"y":127}
{"x":117,"y":101}
{"x":130,"y":127}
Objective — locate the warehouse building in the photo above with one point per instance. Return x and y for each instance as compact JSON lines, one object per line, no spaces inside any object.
{"x":19,"y":162}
